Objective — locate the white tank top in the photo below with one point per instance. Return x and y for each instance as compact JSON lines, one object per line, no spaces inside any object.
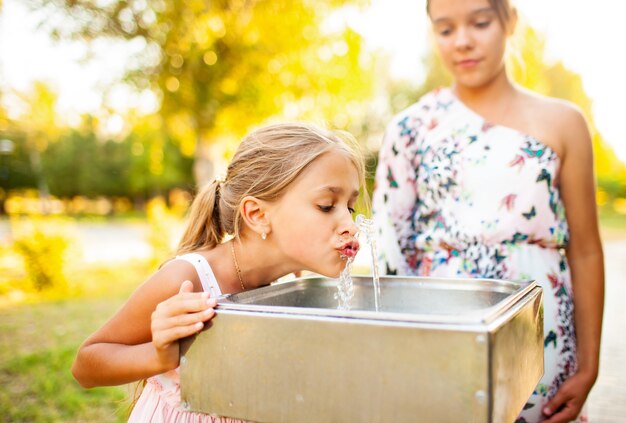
{"x":207,"y":278}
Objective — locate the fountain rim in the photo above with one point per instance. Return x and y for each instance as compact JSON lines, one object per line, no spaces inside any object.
{"x":489,"y":315}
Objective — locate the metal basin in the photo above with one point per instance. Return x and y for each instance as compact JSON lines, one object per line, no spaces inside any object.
{"x":443,"y":350}
{"x":445,"y":297}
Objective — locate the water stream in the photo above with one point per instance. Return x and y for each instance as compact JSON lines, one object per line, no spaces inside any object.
{"x":345,"y":288}
{"x":366,"y":226}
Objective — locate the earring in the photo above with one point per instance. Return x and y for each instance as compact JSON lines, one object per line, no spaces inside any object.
{"x":263,"y":236}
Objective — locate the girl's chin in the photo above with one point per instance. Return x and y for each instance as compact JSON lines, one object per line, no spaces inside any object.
{"x":334,"y":274}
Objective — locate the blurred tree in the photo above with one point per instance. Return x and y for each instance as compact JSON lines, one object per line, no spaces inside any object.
{"x":220,"y":67}
{"x":30,"y":134}
{"x":4,"y":118}
{"x":6,"y":148}
{"x":68,"y":162}
{"x":20,"y":171}
{"x":157,"y":164}
{"x":80,"y":163}
{"x":533,"y":71}
{"x":17,"y":172}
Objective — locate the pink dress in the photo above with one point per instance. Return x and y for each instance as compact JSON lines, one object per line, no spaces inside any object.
{"x":160,"y":399}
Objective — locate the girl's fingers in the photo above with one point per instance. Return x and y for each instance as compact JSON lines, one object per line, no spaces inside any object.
{"x":181,"y":315}
{"x":165,"y":338}
{"x":164,"y":323}
{"x":185,"y":303}
{"x":186,"y":286}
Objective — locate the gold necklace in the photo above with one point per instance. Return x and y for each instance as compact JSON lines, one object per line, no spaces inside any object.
{"x":232,"y":250}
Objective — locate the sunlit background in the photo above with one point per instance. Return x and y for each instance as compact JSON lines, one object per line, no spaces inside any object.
{"x":582,"y":37}
{"x":112,"y":112}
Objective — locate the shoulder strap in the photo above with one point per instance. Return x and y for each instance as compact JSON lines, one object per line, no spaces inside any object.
{"x":205,"y":273}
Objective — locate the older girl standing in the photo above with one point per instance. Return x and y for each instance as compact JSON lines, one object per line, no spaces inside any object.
{"x":486,"y":179}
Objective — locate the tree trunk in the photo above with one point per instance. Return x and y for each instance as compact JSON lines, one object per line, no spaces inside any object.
{"x":42,"y":185}
{"x":203,"y":166}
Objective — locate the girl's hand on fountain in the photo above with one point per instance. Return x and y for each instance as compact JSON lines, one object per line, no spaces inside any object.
{"x":179,"y":316}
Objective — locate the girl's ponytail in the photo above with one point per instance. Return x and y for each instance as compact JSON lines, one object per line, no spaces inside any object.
{"x":203,"y":227}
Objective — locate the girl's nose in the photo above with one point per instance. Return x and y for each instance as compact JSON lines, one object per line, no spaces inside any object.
{"x":463,"y":38}
{"x":347,"y":226}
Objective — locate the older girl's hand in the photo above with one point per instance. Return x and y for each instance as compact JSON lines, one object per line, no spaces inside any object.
{"x":180,"y":316}
{"x":569,"y":399}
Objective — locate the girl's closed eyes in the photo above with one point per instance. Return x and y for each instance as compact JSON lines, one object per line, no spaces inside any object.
{"x":327,"y":209}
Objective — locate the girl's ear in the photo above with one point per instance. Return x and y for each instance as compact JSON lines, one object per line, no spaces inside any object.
{"x":254,"y":215}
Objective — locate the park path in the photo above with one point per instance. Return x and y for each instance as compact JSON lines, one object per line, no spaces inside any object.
{"x":607,"y":401}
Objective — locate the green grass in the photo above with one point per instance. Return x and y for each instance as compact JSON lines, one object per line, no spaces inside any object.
{"x":612,"y":225}
{"x":37,"y":346}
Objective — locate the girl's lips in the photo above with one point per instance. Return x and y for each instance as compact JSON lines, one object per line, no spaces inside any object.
{"x":467,"y":63}
{"x":349,"y":249}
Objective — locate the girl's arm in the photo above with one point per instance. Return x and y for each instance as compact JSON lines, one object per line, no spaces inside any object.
{"x":395,"y":198}
{"x":586,"y":261}
{"x":141,"y":339}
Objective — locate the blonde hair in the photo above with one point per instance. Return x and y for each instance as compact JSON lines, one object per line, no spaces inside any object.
{"x":267,"y":161}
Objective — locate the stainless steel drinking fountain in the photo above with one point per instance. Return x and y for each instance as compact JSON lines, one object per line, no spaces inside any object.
{"x":437,"y":350}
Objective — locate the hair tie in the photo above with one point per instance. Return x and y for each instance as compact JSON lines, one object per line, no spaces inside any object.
{"x":220,"y":179}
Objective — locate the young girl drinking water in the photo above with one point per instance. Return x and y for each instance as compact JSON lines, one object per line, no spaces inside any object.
{"x":488,"y":180}
{"x":287,"y":200}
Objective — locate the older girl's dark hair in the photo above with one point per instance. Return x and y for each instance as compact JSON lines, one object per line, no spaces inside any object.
{"x":503,"y":8}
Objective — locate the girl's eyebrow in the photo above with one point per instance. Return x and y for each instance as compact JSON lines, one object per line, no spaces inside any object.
{"x":338,"y":190}
{"x":472,"y":13}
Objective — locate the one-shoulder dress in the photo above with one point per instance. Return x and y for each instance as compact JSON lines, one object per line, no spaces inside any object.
{"x":456,"y":196}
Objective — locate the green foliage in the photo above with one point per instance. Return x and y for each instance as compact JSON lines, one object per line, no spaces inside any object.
{"x":157,"y":163}
{"x":163,"y":223}
{"x":221,"y":67}
{"x":141,"y":165}
{"x":80,"y":164}
{"x":613,"y":185}
{"x":531,"y":69}
{"x":39,"y":388}
{"x":37,"y":346}
{"x":43,"y":248}
{"x":403,"y":93}
{"x":16,"y":167}
{"x":38,"y":343}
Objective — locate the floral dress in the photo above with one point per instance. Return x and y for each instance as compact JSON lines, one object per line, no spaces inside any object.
{"x":457,"y":196}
